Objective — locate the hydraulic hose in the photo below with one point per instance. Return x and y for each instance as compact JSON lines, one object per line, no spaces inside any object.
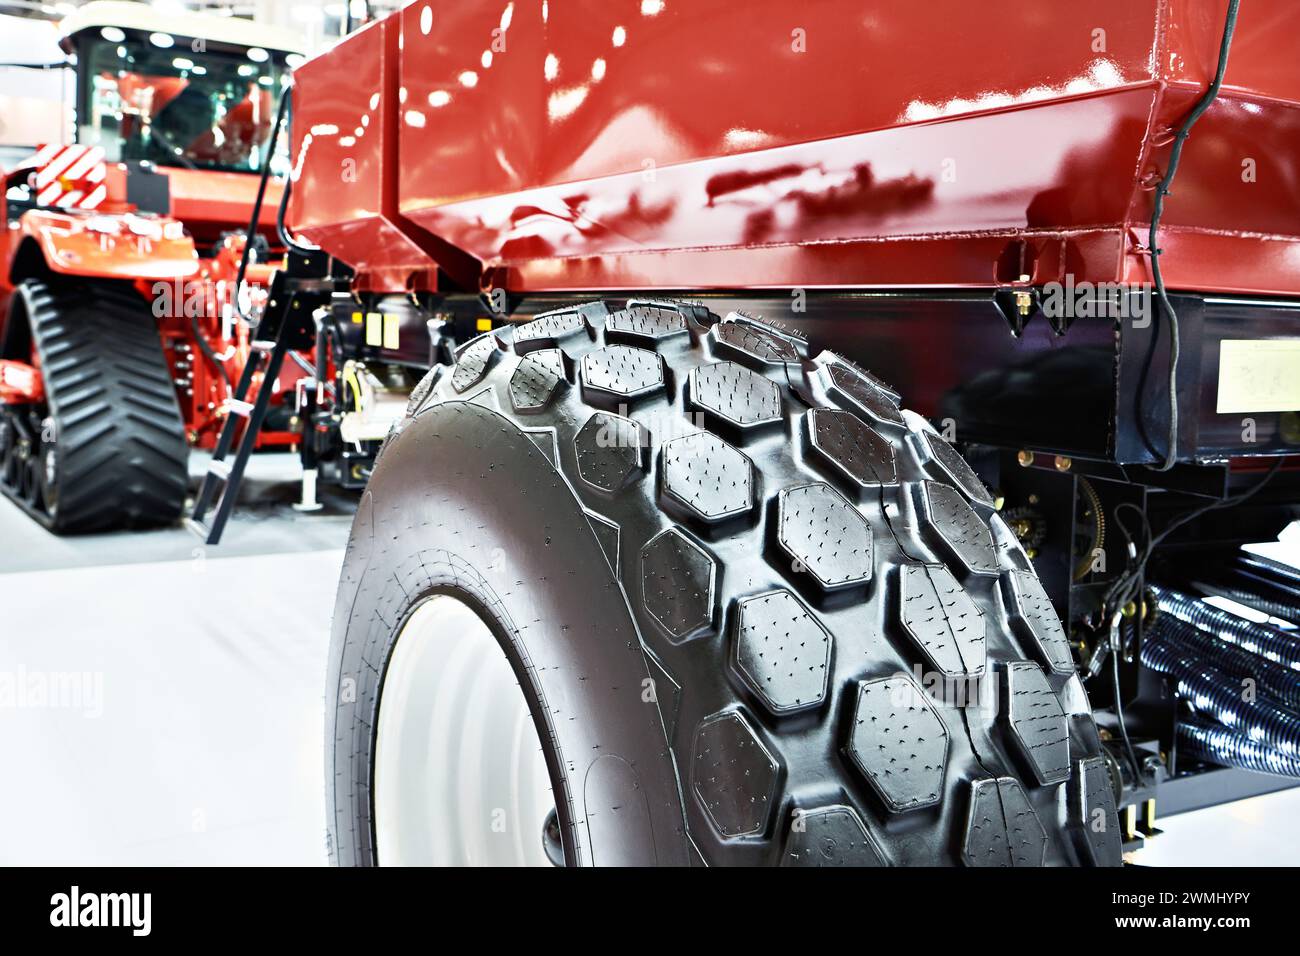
{"x":211,"y":356}
{"x":1268,"y":642}
{"x":1273,"y":679}
{"x":257,"y":202}
{"x":1203,"y":741}
{"x":1220,"y":697}
{"x":1283,"y":610}
{"x":286,"y":239}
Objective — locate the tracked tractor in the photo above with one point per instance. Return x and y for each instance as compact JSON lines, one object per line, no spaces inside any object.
{"x":869,"y":401}
{"x":130,"y":266}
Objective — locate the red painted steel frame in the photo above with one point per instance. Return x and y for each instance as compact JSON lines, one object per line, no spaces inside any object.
{"x":626,"y":144}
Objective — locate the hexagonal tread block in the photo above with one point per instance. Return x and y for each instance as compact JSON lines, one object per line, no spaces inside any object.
{"x":1034,"y":616}
{"x":852,"y":386}
{"x":830,"y":836}
{"x":825,"y":535}
{"x":646,"y":322}
{"x":1002,"y":828}
{"x":678,"y":579}
{"x":735,"y":395}
{"x":942,"y":619}
{"x":961,"y":528}
{"x":1037,"y":722}
{"x":622,"y":372}
{"x":549,"y":328}
{"x":955,"y":467}
{"x":536,"y":379}
{"x":781,"y":651}
{"x":1098,"y":820}
{"x":734,"y":775}
{"x":899,"y":743}
{"x":611,"y":451}
{"x":852,"y":447}
{"x":422,"y":389}
{"x":473,"y":361}
{"x":830,"y":358}
{"x":747,"y":340}
{"x":707,"y":476}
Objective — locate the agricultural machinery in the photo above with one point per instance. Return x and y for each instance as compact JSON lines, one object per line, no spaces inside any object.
{"x":657,"y":569}
{"x":141,"y":252}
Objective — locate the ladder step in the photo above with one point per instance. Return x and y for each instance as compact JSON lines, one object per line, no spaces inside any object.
{"x":219,"y":468}
{"x":262,"y":345}
{"x":198,"y":528}
{"x":236,"y":407}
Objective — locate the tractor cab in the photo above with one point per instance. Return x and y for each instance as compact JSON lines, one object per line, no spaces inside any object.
{"x":149,"y":93}
{"x":162,"y":116}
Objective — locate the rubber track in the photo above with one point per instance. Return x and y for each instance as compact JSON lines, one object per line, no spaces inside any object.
{"x":120,"y":439}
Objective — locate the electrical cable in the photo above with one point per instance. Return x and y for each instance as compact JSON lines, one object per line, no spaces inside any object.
{"x":1162,"y":190}
{"x":1128,"y":587}
{"x":257,"y":202}
{"x":211,"y":355}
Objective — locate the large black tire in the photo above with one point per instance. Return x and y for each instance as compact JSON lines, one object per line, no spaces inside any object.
{"x":116,"y":454}
{"x":720,"y":620}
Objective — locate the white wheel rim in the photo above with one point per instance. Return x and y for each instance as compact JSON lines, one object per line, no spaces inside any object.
{"x":460,"y":776}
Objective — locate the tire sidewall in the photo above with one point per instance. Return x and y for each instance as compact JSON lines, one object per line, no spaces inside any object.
{"x":533,"y":570}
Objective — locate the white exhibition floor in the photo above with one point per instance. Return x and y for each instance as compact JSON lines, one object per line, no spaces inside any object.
{"x":188,"y":722}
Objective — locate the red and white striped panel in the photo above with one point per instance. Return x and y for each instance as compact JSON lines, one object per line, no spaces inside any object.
{"x":70,"y":177}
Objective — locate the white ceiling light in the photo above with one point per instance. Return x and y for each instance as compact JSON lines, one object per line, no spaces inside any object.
{"x":112,"y":34}
{"x":163,"y":40}
{"x":295,"y":60}
{"x":181,"y":63}
{"x":257,"y":54}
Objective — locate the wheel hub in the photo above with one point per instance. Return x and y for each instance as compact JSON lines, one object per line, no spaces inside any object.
{"x":460,"y":773}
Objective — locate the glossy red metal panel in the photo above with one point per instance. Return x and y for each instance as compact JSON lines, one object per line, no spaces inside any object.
{"x":344,"y":146}
{"x":660,"y":143}
{"x":205,"y":197}
{"x":913,"y":182}
{"x":587,"y":89}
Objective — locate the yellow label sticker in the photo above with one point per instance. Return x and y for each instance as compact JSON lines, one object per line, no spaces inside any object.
{"x":357,"y":318}
{"x":483,"y":324}
{"x":1258,"y":375}
{"x":392,"y":326}
{"x":374,"y":329}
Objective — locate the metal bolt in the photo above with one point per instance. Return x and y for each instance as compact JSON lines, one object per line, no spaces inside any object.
{"x":1024,"y":300}
{"x":1063,"y":463}
{"x":1026,"y":458}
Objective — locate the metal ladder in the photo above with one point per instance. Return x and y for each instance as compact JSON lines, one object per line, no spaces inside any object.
{"x":220,"y":487}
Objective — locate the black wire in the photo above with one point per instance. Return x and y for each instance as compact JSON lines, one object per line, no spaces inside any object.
{"x":1122,"y":723}
{"x":287,"y":240}
{"x":1129,"y":586}
{"x":1162,"y":190}
{"x":207,"y":350}
{"x":257,"y":203}
{"x":1122,"y":591}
